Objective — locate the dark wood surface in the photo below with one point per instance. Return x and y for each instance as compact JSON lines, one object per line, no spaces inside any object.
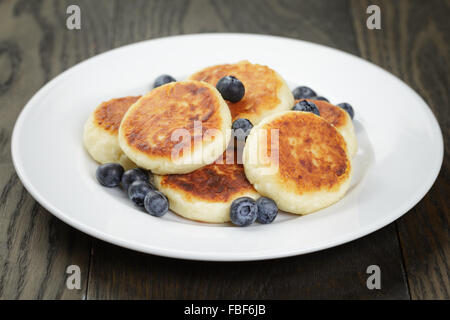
{"x":36,"y":248}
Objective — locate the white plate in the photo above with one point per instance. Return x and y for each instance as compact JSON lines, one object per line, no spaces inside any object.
{"x":400,"y":154}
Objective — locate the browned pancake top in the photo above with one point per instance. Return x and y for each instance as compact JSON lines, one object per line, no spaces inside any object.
{"x":312,"y":154}
{"x":109,"y":114}
{"x":261,"y":86}
{"x":217,"y":182}
{"x":148,"y":127}
{"x":333,"y":114}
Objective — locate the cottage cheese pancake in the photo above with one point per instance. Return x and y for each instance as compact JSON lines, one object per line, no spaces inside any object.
{"x":313,"y":169}
{"x":176,"y":128}
{"x":207,"y":193}
{"x":339,"y":118}
{"x":265,"y":91}
{"x":101,"y":131}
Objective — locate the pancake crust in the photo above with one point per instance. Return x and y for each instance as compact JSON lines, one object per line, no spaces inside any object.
{"x":109,"y":114}
{"x":207,"y":193}
{"x":100,"y":135}
{"x":314,"y":168}
{"x":216,"y":182}
{"x":146,"y":132}
{"x":341,"y":120}
{"x":265,"y":91}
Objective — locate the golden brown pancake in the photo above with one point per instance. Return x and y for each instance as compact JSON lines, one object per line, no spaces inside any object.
{"x":207,"y":193}
{"x":265,"y":91}
{"x":311,"y":155}
{"x":101,"y":131}
{"x":314,"y":167}
{"x":146,"y":131}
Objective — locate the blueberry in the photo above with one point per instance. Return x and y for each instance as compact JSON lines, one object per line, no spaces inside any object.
{"x":306,"y":106}
{"x":320,"y":98}
{"x":231,"y":88}
{"x":133,"y":175}
{"x":303,"y":93}
{"x":267,"y":210}
{"x":156,"y":203}
{"x":241,"y":128}
{"x":347,"y":107}
{"x":138,"y":190}
{"x":163,"y":79}
{"x":243,"y":211}
{"x":109,"y":174}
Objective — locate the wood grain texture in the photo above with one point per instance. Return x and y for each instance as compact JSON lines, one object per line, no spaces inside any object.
{"x":35,"y":247}
{"x":338,"y":273}
{"x":413,"y":44}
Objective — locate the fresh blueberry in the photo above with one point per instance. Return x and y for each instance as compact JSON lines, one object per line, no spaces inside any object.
{"x":347,"y":107}
{"x":156,"y":203}
{"x":267,"y":210}
{"x":109,"y":174}
{"x":306,"y":106}
{"x":320,"y":98}
{"x":133,"y":175}
{"x":138,"y":190}
{"x":243,"y":212}
{"x":241,"y":128}
{"x":163,"y":79}
{"x":303,"y":93}
{"x":231,"y":88}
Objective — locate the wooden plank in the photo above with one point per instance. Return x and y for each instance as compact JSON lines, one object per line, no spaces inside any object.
{"x":336,"y":273}
{"x":414,"y":45}
{"x":35,"y":46}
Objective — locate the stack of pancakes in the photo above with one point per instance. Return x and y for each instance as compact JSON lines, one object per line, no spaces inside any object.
{"x":181,"y":132}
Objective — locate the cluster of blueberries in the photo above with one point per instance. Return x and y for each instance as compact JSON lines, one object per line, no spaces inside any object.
{"x":245,"y":210}
{"x":136,"y":184}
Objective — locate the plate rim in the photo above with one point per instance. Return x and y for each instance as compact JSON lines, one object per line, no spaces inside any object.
{"x":201,"y":256}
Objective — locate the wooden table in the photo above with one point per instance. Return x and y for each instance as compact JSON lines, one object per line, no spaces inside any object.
{"x":35,"y":248}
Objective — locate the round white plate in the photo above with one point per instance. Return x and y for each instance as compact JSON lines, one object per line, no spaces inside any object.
{"x":399,"y":157}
